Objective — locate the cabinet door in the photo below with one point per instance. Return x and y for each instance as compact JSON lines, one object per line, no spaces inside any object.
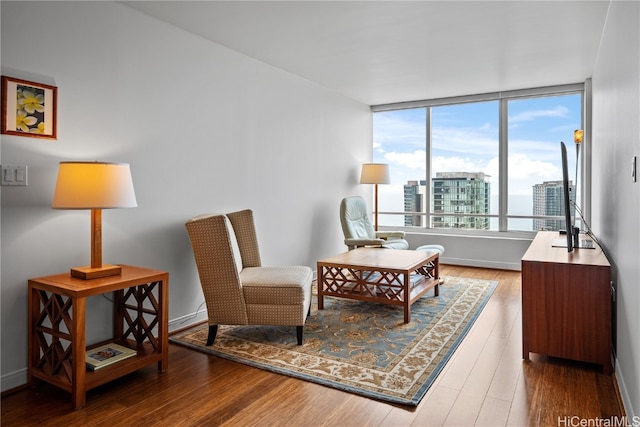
{"x":566,"y":311}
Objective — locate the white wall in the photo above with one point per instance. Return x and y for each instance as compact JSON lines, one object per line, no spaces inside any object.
{"x":502,"y":250}
{"x":616,"y":200}
{"x":204,"y":128}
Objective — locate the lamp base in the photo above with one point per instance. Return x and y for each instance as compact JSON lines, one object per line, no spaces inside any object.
{"x":88,"y":273}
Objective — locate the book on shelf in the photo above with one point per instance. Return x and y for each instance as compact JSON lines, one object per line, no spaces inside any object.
{"x":106,"y":355}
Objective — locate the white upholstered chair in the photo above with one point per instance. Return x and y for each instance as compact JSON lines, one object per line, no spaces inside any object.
{"x":358,"y":230}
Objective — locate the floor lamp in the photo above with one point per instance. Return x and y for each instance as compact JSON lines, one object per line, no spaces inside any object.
{"x":375,"y":173}
{"x":578,"y":136}
{"x":95,"y":186}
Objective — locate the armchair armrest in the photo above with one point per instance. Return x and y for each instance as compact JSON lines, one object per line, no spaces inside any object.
{"x":390,"y":234}
{"x":363,"y":242}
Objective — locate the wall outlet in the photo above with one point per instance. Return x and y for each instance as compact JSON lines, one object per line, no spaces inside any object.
{"x":14,"y":175}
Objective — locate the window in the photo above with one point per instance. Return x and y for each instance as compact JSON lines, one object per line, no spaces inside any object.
{"x":489,"y":162}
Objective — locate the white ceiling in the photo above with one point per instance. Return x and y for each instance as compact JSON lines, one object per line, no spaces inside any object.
{"x":379,"y":52}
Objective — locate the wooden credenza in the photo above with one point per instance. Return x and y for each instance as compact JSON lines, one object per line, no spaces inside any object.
{"x":566,"y":302}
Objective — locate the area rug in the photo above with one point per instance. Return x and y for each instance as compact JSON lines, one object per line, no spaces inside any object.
{"x":359,"y":347}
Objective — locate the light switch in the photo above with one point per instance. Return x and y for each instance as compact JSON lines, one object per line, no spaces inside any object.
{"x":14,"y":175}
{"x":7,"y":175}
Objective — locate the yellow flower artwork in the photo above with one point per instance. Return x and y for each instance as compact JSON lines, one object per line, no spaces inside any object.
{"x":28,"y":108}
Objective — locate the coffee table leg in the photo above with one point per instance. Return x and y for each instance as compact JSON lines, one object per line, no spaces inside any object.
{"x":436,"y":275}
{"x":407,"y":298}
{"x":320,"y":288}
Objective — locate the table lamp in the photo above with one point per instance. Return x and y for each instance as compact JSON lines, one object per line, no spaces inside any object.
{"x":375,"y":173}
{"x":95,"y":186}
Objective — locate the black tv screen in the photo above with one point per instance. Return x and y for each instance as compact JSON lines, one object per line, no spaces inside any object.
{"x":567,"y":198}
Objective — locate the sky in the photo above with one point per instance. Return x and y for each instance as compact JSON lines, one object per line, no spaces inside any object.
{"x":465,"y":139}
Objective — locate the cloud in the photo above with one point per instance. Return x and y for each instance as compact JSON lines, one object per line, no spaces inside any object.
{"x":414,"y":161}
{"x":523,"y":167}
{"x":481,"y":141}
{"x":525,"y":171}
{"x":395,"y":129}
{"x":457,"y":164}
{"x":528,"y":116}
{"x":533,"y":159}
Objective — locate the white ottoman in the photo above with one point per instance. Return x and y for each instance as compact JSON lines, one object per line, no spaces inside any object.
{"x":437,"y":248}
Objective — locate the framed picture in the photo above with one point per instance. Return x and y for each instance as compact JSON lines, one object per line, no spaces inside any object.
{"x":28,"y":108}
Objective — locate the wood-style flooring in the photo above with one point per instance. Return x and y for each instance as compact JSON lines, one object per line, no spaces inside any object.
{"x":486,"y":383}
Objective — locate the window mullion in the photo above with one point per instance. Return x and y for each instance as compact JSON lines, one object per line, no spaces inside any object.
{"x":503,"y":149}
{"x":428,"y":198}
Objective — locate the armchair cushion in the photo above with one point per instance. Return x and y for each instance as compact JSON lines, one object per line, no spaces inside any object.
{"x":354,"y":219}
{"x":276,"y":285}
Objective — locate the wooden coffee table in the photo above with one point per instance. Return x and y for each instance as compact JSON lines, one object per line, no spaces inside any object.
{"x":387,"y":276}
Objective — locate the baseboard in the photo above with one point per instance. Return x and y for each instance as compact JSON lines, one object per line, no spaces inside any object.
{"x":13,"y":380}
{"x":632,"y":417}
{"x":187,"y":320}
{"x":481,"y":263}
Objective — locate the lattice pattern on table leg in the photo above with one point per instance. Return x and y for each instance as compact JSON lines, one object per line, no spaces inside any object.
{"x":52,"y":328}
{"x":335,"y":279}
{"x":428,"y":270}
{"x":348,"y":281}
{"x":367,"y":283}
{"x":390,"y":285}
{"x":144,"y":305}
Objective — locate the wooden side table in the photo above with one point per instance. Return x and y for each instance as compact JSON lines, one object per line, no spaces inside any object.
{"x":57,"y":341}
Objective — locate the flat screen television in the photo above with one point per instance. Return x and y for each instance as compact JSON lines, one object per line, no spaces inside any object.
{"x":572,"y":233}
{"x":566,"y":196}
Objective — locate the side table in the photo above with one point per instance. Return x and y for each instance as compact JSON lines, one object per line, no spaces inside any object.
{"x":57,"y":329}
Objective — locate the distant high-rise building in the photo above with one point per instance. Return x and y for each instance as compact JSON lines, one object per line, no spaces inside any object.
{"x":548,"y":200}
{"x":414,"y":201}
{"x":453,"y":193}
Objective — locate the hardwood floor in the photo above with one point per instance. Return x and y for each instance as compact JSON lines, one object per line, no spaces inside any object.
{"x":486,"y":383}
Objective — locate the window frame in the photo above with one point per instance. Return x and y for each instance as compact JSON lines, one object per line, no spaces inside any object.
{"x":503,"y":99}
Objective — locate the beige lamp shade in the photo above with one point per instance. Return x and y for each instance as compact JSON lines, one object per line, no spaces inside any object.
{"x":94,"y":185}
{"x":578,"y":135}
{"x":375,"y":173}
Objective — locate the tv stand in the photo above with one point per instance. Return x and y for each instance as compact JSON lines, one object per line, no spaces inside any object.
{"x":566,"y":302}
{"x":578,"y":243}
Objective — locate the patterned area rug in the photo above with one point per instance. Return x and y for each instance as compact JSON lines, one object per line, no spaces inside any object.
{"x":360,"y":347}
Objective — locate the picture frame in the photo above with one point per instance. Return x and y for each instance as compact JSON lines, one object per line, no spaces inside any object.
{"x":29,"y":109}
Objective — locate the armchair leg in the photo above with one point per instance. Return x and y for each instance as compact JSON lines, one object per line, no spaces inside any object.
{"x":213,"y":330}
{"x":299,"y":334}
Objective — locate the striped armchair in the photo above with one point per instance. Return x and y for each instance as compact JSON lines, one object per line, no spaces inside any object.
{"x":237,"y":289}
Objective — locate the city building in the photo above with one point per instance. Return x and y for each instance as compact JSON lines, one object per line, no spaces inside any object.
{"x":548,"y":201}
{"x":455,"y":196}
